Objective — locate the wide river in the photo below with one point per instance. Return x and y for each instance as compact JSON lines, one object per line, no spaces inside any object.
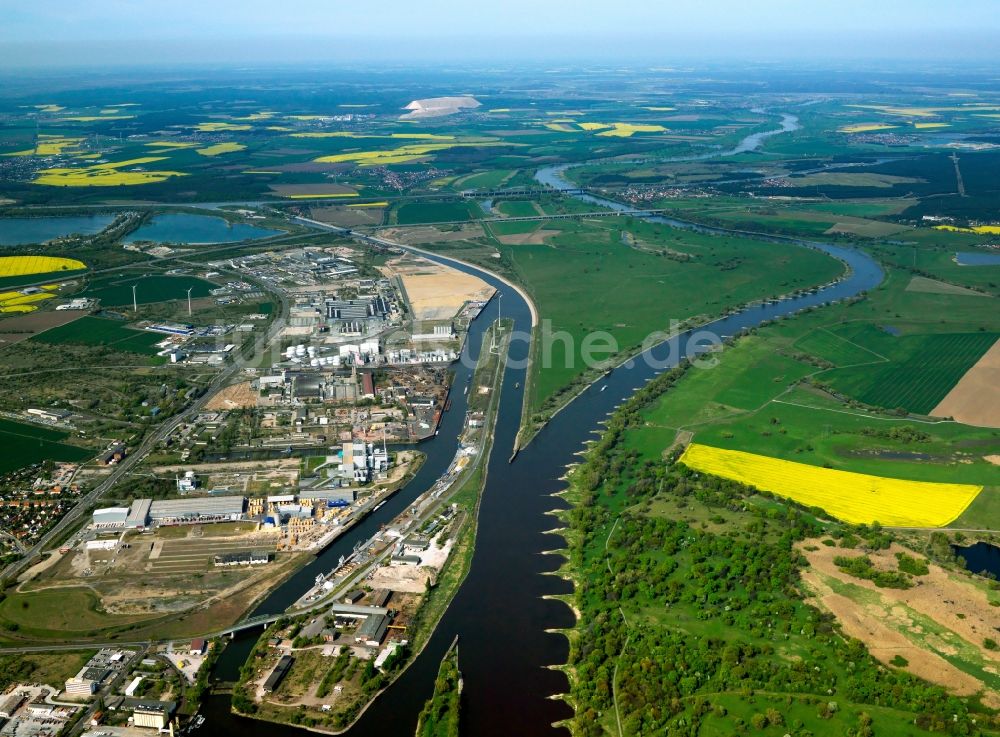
{"x":499,"y":612}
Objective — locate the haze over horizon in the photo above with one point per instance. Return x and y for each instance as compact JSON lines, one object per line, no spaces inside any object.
{"x":61,"y":33}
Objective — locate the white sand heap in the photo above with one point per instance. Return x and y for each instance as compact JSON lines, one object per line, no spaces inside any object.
{"x":436,"y":107}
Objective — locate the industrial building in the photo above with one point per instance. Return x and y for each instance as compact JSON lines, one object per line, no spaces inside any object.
{"x":145,"y":512}
{"x":245,"y":558}
{"x":380,"y":597}
{"x":356,"y":309}
{"x":109,"y":517}
{"x":206,"y":509}
{"x":154,"y":714}
{"x":113,"y":454}
{"x":279,"y":672}
{"x":138,"y":514}
{"x":86,"y":682}
{"x":49,"y":415}
{"x":372,"y":630}
{"x":10,"y":703}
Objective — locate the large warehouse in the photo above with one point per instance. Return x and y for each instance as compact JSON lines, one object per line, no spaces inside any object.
{"x":145,"y":512}
{"x":207,"y":509}
{"x":110,"y":517}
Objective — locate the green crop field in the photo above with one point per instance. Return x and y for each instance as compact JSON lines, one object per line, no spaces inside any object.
{"x":116,"y":291}
{"x":517,"y":208}
{"x":920,"y":371}
{"x":483,"y":180}
{"x":101,"y":331}
{"x":414,"y":213}
{"x":24,"y":444}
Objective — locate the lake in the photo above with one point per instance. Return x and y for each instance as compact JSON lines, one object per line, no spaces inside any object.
{"x":185,"y":228}
{"x":976,"y":258}
{"x":20,"y":231}
{"x":980,"y":557}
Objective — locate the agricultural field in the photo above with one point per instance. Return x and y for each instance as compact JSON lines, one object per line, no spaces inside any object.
{"x":917,"y":372}
{"x":25,"y":443}
{"x":116,"y":291}
{"x":434,"y":212}
{"x":18,"y":302}
{"x":850,"y":497}
{"x":517,"y":208}
{"x":32,"y":265}
{"x":769,"y":395}
{"x":103,"y":332}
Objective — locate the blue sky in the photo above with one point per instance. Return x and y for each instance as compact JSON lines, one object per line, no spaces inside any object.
{"x":59,"y":31}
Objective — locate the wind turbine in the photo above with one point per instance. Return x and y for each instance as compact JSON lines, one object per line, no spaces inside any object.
{"x":135,"y":303}
{"x":189,"y":301}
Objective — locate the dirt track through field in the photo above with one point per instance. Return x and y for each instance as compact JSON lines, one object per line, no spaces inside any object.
{"x":975,"y":399}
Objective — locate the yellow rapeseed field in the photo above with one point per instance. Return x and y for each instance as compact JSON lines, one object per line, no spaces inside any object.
{"x":17,"y":302}
{"x":221,"y":148}
{"x":172,"y":144}
{"x":320,"y":196}
{"x":370,"y":204}
{"x":25,"y":265}
{"x":106,"y":175}
{"x":349,"y":134}
{"x":400,"y":155}
{"x":852,"y":497}
{"x":980,"y":229}
{"x":865,"y":127}
{"x":49,"y":146}
{"x":214,"y":126}
{"x":922,"y":126}
{"x":262,"y":115}
{"x":620,"y":130}
{"x":95,"y":118}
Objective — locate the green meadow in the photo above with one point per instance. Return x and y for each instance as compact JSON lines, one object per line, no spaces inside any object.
{"x":25,"y":443}
{"x":103,"y":331}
